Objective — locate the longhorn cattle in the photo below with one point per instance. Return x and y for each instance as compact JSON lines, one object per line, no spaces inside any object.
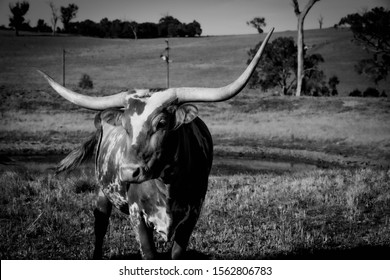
{"x":153,"y":156}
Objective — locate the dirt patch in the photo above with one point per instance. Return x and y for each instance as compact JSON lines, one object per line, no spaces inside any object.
{"x":315,"y":158}
{"x":351,"y":103}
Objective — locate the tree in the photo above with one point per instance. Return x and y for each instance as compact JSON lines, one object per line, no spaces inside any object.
{"x":278,"y":68}
{"x":134,"y":28}
{"x":116,"y":28}
{"x":67,"y":14}
{"x":371,"y":29}
{"x":300,"y":40}
{"x":333,"y":82}
{"x":314,"y":78}
{"x":54,"y":17}
{"x":42,"y":26}
{"x":168,"y":26}
{"x":106,"y":26}
{"x":148,"y":30}
{"x":89,"y":28}
{"x":194,"y":29}
{"x":321,"y":21}
{"x":258,"y":23}
{"x":18,"y":10}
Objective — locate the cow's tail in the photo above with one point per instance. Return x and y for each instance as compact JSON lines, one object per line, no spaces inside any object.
{"x":79,"y":155}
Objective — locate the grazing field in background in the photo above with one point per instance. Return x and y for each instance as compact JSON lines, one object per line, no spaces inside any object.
{"x":339,"y":210}
{"x":207,"y":61}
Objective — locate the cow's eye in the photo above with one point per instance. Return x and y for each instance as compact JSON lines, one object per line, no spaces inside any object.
{"x":161,"y":124}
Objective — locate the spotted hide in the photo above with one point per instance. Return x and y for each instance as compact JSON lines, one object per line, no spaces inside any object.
{"x":171,"y":203}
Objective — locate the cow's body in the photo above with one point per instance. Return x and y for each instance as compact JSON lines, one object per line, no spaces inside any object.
{"x":170,"y":204}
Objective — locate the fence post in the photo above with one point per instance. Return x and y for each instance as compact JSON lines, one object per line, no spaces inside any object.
{"x":165,"y":57}
{"x":63,"y":67}
{"x":167,"y":49}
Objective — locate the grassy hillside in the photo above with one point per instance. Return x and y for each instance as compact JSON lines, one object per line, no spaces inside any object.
{"x":115,"y":63}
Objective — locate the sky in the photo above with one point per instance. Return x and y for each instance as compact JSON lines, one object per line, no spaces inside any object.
{"x":216,"y":17}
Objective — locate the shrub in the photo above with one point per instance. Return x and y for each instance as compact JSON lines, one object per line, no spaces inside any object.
{"x":333,"y":82}
{"x":371,"y":92}
{"x":355,"y":93}
{"x":86,"y":82}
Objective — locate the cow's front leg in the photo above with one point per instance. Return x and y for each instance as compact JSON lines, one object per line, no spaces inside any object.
{"x":183,"y":234}
{"x":179,"y":250}
{"x":147,"y":246}
{"x":102,"y":214}
{"x":143,"y":233}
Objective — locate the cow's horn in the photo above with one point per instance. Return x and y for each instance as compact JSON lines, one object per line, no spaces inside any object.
{"x":224,"y":93}
{"x":89,"y":102}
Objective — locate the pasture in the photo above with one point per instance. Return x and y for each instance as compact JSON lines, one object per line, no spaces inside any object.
{"x":324,"y":214}
{"x":340,"y":209}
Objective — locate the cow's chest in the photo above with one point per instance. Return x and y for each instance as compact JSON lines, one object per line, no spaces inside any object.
{"x":117,"y":195}
{"x":152,"y":202}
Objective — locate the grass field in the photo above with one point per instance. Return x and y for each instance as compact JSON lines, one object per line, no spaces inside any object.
{"x":339,"y":210}
{"x":116,"y":64}
{"x":326,"y":214}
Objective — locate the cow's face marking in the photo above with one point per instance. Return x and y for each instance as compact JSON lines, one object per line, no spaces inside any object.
{"x":137,"y":106}
{"x":149,"y":119}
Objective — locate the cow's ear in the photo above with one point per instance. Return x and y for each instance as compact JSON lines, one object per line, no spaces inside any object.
{"x":110,"y":116}
{"x":185,"y":113}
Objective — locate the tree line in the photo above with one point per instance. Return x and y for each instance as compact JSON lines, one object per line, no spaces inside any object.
{"x":168,"y":26}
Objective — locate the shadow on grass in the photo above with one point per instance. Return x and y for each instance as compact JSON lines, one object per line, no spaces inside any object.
{"x":357,"y":253}
{"x":190,"y":255}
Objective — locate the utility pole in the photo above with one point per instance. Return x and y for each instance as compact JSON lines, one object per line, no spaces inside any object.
{"x":165,"y":57}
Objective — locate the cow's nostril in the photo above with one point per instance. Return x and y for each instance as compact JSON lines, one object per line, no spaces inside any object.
{"x":136,"y":172}
{"x":130,"y":173}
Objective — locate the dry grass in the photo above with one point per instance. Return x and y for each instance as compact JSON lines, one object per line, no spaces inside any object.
{"x":332,"y":122}
{"x":347,"y":126}
{"x":318,"y":214}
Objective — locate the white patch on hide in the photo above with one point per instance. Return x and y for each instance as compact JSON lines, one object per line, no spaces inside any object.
{"x":160,"y":220}
{"x":151,"y":104}
{"x":112,"y":144}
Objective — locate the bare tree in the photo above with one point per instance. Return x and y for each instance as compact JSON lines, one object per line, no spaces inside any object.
{"x":54,"y":17}
{"x":134,"y":28}
{"x":300,"y":40}
{"x":321,"y":21}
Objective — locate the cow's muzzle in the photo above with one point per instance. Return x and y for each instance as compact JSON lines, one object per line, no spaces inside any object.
{"x":132,"y":173}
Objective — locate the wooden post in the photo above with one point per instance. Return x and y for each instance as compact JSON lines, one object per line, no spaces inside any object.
{"x":63,"y":67}
{"x":167,"y":49}
{"x":165,"y":57}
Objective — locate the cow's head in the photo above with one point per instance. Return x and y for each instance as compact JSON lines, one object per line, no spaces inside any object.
{"x":148,"y":117}
{"x":150,"y":120}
